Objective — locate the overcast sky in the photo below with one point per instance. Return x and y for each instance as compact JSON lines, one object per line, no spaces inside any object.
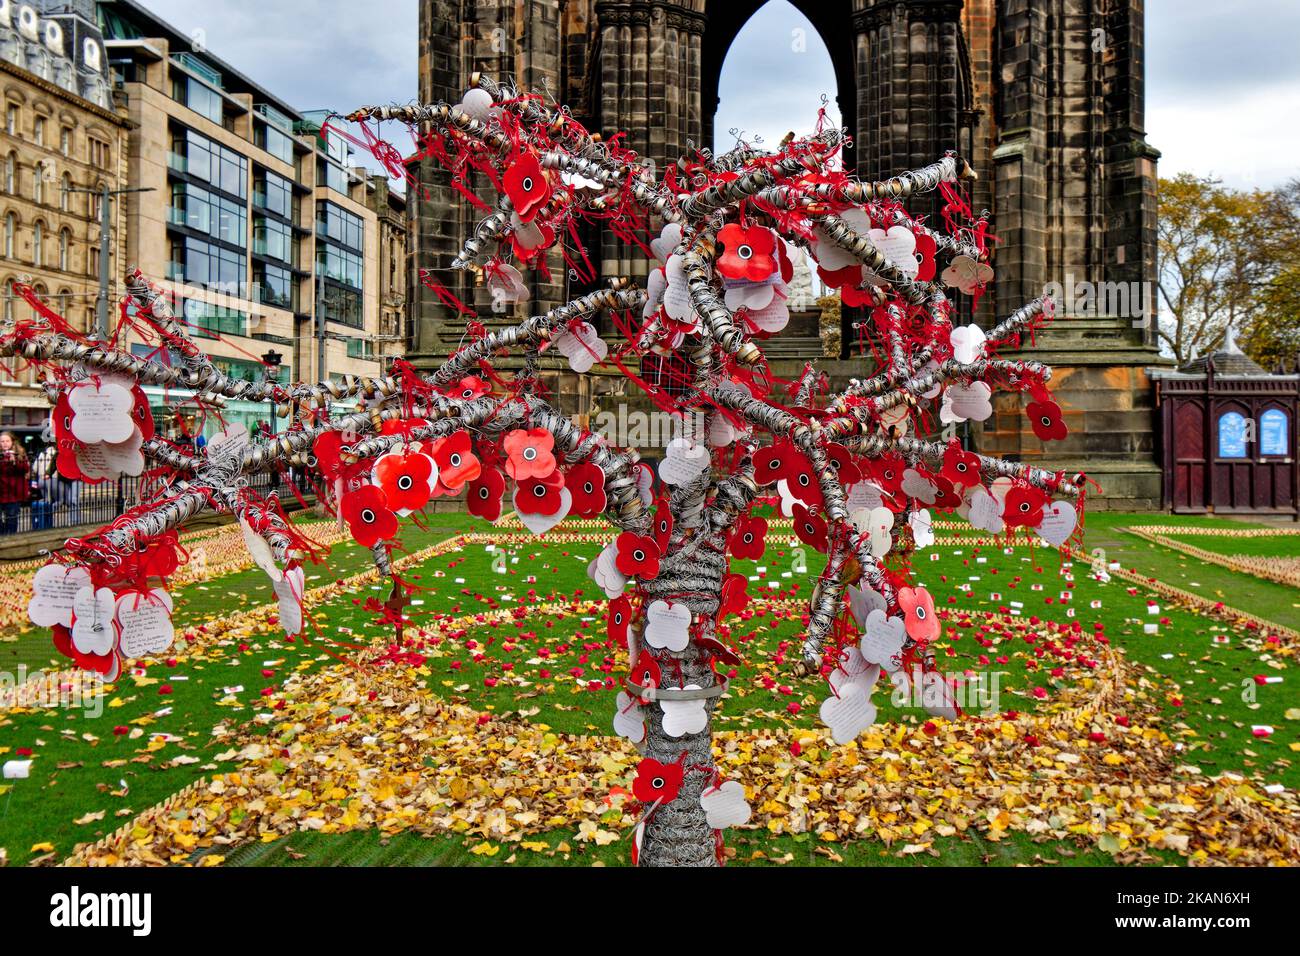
{"x":1223,"y":80}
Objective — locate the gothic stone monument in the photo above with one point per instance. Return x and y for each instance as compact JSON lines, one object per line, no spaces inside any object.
{"x":1045,"y":98}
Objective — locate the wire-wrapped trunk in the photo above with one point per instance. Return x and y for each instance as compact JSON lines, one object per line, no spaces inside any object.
{"x":678,"y":834}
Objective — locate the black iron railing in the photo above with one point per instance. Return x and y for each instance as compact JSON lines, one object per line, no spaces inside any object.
{"x":68,"y":504}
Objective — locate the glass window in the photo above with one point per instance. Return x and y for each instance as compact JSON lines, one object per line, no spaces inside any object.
{"x":65,"y":141}
{"x":1274,"y":433}
{"x":273,"y":238}
{"x":333,"y":176}
{"x":274,"y":140}
{"x":12,"y":119}
{"x":341,"y":305}
{"x":335,"y":222}
{"x":273,"y":193}
{"x":98,"y":152}
{"x":207,"y":212}
{"x":340,"y":265}
{"x":209,"y":320}
{"x":361,"y":349}
{"x":1232,"y":435}
{"x":38,"y":241}
{"x":38,"y":131}
{"x":211,"y":162}
{"x":275,"y":287}
{"x":198,"y":96}
{"x":205,"y":264}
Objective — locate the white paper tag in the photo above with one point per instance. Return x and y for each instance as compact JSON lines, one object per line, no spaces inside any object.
{"x":146,"y":622}
{"x":54,"y":590}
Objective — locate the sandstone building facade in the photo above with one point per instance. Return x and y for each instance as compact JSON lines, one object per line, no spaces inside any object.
{"x":61,"y":133}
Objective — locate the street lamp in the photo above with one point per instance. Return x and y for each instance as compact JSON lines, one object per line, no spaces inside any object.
{"x":271,"y":360}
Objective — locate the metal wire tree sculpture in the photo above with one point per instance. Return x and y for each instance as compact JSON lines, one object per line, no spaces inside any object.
{"x":849,"y":468}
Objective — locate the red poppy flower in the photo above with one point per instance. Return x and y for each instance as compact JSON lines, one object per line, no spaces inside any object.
{"x":888,"y":472}
{"x":160,"y":560}
{"x":586,"y":484}
{"x":771,"y":462}
{"x":1045,"y":419}
{"x":657,"y":781}
{"x":456,"y":461}
{"x":637,"y":556}
{"x":527,"y":253}
{"x":618,"y":618}
{"x":540,"y":496}
{"x":945,"y":496}
{"x":66,"y":461}
{"x":645,"y":672}
{"x":846,"y":468}
{"x":926,"y":248}
{"x":734,"y":596}
{"x":484,"y":499}
{"x":749,"y":538}
{"x":960,"y":467}
{"x":526,"y":185}
{"x":141,"y":414}
{"x":858,"y":296}
{"x":748,"y":252}
{"x":529,"y":453}
{"x":809,"y":528}
{"x":838,"y":278}
{"x":401,"y":426}
{"x":108,"y":666}
{"x":326,"y":447}
{"x":469,"y":387}
{"x":663,"y":524}
{"x":918,"y":614}
{"x":405,"y":478}
{"x":1023,"y":506}
{"x":802,"y":480}
{"x":368,"y":516}
{"x":61,"y":417}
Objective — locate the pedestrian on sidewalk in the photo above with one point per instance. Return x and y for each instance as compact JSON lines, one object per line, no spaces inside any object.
{"x":15,"y":482}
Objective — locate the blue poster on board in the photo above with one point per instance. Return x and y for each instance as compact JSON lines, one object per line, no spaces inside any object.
{"x":1232,"y":435}
{"x":1273,"y":432}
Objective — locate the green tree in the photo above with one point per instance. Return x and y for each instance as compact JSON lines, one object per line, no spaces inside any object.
{"x":1223,"y":255}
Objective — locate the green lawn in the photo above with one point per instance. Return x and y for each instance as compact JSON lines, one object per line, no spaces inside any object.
{"x":93,"y":774}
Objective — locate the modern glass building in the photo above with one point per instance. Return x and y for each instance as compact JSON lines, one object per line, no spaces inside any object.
{"x":257,"y":220}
